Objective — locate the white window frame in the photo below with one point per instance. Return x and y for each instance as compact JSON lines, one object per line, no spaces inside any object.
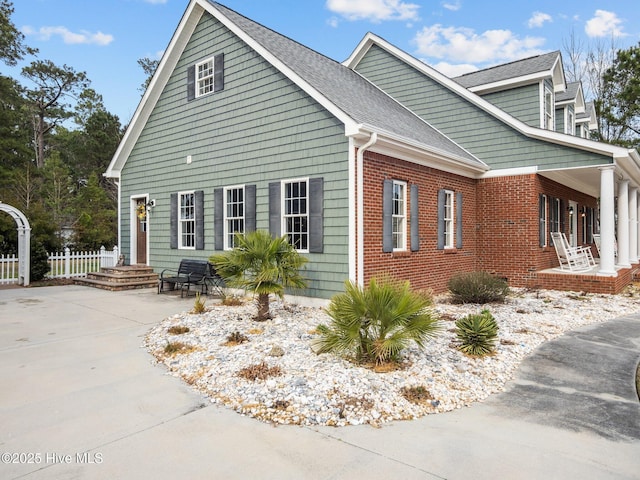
{"x":548,"y":108}
{"x":229,"y":219}
{"x":205,"y":71}
{"x":185,"y":220}
{"x":449,"y":219}
{"x":399,"y":216}
{"x":571,"y":130}
{"x":303,"y":201}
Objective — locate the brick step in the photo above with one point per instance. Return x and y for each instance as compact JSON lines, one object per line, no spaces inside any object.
{"x":113,"y":286}
{"x":127,"y":270}
{"x":119,"y":278}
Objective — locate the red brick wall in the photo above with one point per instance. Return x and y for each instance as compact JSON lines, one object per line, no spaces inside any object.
{"x":508,"y":225}
{"x":428,"y":268}
{"x":500,"y":229}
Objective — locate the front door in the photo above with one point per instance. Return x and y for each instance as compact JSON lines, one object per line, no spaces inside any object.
{"x":573,"y":223}
{"x":141,"y":231}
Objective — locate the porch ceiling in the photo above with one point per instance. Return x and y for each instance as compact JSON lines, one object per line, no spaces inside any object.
{"x":583,"y":179}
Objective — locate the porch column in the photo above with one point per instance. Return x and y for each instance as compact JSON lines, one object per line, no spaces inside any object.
{"x":623,"y":224}
{"x":607,"y":222}
{"x":638,"y":228}
{"x":633,"y":225}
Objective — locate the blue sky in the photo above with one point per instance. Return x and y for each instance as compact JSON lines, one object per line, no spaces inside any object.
{"x":105,"y":38}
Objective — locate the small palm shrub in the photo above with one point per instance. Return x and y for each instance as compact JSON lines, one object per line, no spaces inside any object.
{"x":375,"y":323}
{"x":477,"y":333}
{"x":263,"y":265}
{"x":477,"y":287}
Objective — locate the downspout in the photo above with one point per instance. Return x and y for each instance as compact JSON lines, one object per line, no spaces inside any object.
{"x":119,"y":239}
{"x":360,"y":198}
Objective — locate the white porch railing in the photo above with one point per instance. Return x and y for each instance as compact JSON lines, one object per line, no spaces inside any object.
{"x":66,"y":264}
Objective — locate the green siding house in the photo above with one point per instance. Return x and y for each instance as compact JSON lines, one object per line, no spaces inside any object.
{"x":376,"y":165}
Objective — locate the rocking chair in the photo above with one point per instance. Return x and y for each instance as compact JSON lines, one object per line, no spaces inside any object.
{"x":573,"y":259}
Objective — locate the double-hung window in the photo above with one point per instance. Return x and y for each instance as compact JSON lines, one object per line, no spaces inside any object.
{"x":234,"y":214}
{"x":544,"y":219}
{"x":295,"y":217}
{"x":449,"y":219}
{"x":399,"y":216}
{"x":548,"y":109}
{"x":205,"y":79}
{"x":187,"y":220}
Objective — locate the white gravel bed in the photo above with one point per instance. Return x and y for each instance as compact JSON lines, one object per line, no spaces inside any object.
{"x":324,"y":389}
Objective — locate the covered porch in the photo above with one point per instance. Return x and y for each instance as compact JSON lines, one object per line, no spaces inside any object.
{"x":616,"y":187}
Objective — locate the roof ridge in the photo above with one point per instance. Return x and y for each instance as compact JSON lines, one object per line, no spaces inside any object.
{"x":508,"y":63}
{"x":218,"y":4}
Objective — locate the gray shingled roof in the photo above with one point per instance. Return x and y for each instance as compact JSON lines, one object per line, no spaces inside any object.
{"x":506,"y":71}
{"x":358,"y":98}
{"x":589,"y":113}
{"x":569,"y":94}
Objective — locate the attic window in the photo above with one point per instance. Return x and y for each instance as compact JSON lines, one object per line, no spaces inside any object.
{"x":205,"y":77}
{"x":204,"y":72}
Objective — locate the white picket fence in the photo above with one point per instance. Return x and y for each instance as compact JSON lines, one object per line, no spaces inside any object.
{"x":65,"y":264}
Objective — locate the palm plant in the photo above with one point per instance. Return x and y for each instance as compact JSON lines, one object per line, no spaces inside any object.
{"x":263,"y":265}
{"x":477,"y":333}
{"x":374,"y":324}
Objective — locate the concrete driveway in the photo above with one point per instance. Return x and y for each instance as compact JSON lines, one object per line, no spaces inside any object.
{"x":81,"y":399}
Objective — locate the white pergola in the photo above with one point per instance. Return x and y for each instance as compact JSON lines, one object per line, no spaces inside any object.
{"x":24,"y":242}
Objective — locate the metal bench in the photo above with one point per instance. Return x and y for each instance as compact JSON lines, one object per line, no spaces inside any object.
{"x":191,"y":272}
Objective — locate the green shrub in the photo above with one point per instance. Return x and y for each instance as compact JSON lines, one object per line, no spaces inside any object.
{"x":477,"y":333}
{"x":375,"y":323}
{"x":478,"y":287}
{"x":39,"y":262}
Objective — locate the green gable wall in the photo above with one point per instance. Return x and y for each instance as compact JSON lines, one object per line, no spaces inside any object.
{"x":522,"y":103}
{"x":490,"y":139}
{"x":261,"y":128}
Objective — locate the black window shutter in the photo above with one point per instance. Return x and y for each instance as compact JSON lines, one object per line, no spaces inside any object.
{"x":218,"y":72}
{"x":316,"y":215}
{"x":415,"y":230}
{"x":173,"y":221}
{"x":275,"y":224}
{"x":218,"y":219}
{"x":441,"y":199}
{"x":387,"y":216}
{"x":562,"y":216}
{"x":541,"y":222}
{"x":459,"y":220}
{"x":250,"y":208}
{"x":199,"y":198}
{"x":191,"y":82}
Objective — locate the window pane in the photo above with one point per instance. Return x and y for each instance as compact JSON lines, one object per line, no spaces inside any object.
{"x":295,"y":214}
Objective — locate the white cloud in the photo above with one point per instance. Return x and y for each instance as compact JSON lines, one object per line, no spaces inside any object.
{"x":374,"y":10}
{"x":538,"y":19}
{"x":453,"y":6}
{"x":333,"y":22}
{"x":69,"y":37}
{"x":155,"y":2}
{"x":459,"y":44}
{"x":604,"y":24}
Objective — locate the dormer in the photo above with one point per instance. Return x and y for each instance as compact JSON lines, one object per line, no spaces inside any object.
{"x":586,"y":121}
{"x":569,"y":104}
{"x":525,"y":88}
